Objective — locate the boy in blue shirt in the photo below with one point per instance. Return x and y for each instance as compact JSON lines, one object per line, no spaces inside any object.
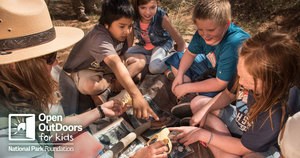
{"x":209,"y":63}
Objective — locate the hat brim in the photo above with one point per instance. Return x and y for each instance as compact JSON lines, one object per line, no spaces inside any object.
{"x":65,"y":37}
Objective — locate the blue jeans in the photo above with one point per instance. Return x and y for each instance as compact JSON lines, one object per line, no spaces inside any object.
{"x":198,"y":70}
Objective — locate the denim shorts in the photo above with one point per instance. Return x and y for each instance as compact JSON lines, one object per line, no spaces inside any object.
{"x":197,"y":71}
{"x":228,"y":115}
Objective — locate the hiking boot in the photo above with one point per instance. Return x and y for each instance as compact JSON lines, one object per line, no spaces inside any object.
{"x":83,"y":17}
{"x":186,"y":98}
{"x":185,"y":121}
{"x":182,"y":110}
{"x":123,"y":97}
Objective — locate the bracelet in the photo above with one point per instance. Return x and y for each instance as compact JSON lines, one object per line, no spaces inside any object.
{"x":101,"y":111}
{"x":210,"y":138}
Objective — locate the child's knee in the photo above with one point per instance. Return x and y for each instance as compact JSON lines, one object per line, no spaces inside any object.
{"x":84,"y":88}
{"x":198,"y":102}
{"x":139,"y":62}
{"x":90,"y":83}
{"x":157,"y":67}
{"x":195,"y":106}
{"x":92,"y":88}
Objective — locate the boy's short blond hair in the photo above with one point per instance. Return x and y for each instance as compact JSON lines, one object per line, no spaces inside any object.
{"x":217,"y":10}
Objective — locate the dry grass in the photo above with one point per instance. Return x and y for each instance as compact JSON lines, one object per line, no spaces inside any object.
{"x":180,"y":14}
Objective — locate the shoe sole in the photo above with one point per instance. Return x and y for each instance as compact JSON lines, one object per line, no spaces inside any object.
{"x":185,"y":121}
{"x":177,"y":110}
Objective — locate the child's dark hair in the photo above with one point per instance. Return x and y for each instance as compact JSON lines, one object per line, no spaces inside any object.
{"x":137,"y":3}
{"x":113,"y":10}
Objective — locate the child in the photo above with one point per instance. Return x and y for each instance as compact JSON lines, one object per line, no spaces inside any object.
{"x":253,"y":124}
{"x":155,"y":35}
{"x":95,"y":63}
{"x":288,"y":136}
{"x":209,"y":63}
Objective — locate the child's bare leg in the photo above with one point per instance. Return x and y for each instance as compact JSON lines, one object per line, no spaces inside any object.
{"x":214,"y":124}
{"x":198,"y":102}
{"x":185,"y":78}
{"x":90,"y":82}
{"x":199,"y":109}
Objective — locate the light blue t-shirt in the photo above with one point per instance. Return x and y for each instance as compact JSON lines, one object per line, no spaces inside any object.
{"x":226,"y":52}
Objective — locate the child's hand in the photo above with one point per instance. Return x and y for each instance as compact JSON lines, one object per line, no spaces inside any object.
{"x":187,"y":134}
{"x":141,"y":108}
{"x":180,"y":91}
{"x":191,"y":137}
{"x":177,"y":81}
{"x":182,"y":131}
{"x":157,"y":149}
{"x":113,"y":108}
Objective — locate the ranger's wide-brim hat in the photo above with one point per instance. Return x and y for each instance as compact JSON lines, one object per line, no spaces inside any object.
{"x":26,"y":31}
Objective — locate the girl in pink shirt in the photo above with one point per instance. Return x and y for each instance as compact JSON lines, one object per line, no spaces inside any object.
{"x":155,"y":34}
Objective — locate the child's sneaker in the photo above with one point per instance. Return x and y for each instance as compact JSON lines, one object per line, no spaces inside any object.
{"x":186,"y":98}
{"x":185,"y":121}
{"x":182,"y":110}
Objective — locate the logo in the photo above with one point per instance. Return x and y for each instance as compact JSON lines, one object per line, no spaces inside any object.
{"x":21,"y":127}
